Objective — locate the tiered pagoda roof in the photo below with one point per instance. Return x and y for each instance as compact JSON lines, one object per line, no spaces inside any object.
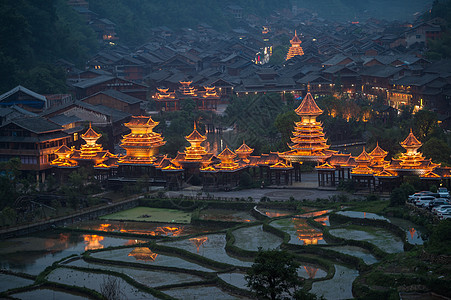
{"x":244,"y":151}
{"x":89,"y":152}
{"x":210,"y":92}
{"x":363,"y":162}
{"x":186,"y":90}
{"x":411,"y":161}
{"x":141,"y":144}
{"x":163,"y":93}
{"x":378,"y":162}
{"x":309,"y":142}
{"x":195,"y":153}
{"x":295,"y":48}
{"x":63,"y":160}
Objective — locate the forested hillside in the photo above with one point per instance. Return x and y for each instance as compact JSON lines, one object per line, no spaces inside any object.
{"x":440,"y":48}
{"x":359,"y":10}
{"x":33,"y":35}
{"x":135,"y":18}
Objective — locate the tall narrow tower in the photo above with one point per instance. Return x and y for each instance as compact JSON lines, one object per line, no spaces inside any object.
{"x":295,"y":48}
{"x":308,"y":141}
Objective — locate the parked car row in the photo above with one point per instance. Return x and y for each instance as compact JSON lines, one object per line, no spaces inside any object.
{"x":438,"y":203}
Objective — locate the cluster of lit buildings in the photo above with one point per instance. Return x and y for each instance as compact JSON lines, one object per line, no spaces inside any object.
{"x":224,"y":170}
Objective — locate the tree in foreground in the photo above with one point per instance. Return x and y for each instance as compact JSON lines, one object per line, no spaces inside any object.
{"x":111,"y":289}
{"x":274,"y":275}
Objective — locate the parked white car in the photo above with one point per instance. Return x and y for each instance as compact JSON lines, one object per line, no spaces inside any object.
{"x":443,"y":192}
{"x":440,"y":208}
{"x":419,"y":194}
{"x":423,"y":200}
{"x":444,"y":217}
{"x":446,"y":211}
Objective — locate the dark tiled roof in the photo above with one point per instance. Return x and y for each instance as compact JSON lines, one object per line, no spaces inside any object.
{"x":36,"y":124}
{"x":121,"y":96}
{"x":63,"y":119}
{"x":93,"y":81}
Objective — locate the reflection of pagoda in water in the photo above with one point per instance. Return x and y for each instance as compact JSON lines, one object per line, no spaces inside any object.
{"x":311,"y":271}
{"x":305,"y":233}
{"x":92,"y":241}
{"x":198,"y":241}
{"x":309,"y":142}
{"x":143,"y":253}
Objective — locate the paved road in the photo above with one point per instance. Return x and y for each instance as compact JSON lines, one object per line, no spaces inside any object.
{"x":307,"y":189}
{"x":257,"y":194}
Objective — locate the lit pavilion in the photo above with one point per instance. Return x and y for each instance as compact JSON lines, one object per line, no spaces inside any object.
{"x":309,"y":142}
{"x":295,"y":48}
{"x":411,"y":162}
{"x":89,"y":153}
{"x":195,"y":156}
{"x":141,"y":144}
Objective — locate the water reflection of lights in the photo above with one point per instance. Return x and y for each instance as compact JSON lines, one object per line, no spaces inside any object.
{"x":143,"y":253}
{"x":323,"y":220}
{"x":92,"y":241}
{"x":314,"y":214}
{"x":305,"y":233}
{"x":311,"y":271}
{"x":198,"y":241}
{"x":162,"y":230}
{"x":275,"y":214}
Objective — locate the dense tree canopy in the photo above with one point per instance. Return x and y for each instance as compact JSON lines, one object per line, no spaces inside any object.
{"x":33,"y":35}
{"x":273,"y":275}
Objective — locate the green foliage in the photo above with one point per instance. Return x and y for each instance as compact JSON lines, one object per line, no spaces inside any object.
{"x":9,"y":178}
{"x":273,"y":273}
{"x":438,"y":150}
{"x":279,"y":54}
{"x":246,"y":179}
{"x":135,"y":18}
{"x":254,"y":117}
{"x":346,"y":185}
{"x":34,"y":34}
{"x":424,"y":124}
{"x":285,"y":123}
{"x":407,"y":188}
{"x":398,"y":197}
{"x":440,"y":239}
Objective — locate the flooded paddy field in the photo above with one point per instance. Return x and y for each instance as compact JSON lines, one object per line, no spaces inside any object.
{"x":339,"y":287}
{"x":300,"y":231}
{"x":47,"y":294}
{"x":252,"y":238}
{"x":226,"y":215}
{"x":383,"y":239}
{"x":201,"y":292}
{"x":94,"y":281}
{"x":144,"y":255}
{"x":33,"y":254}
{"x":274,"y":213}
{"x":362,"y":215}
{"x":362,"y":253}
{"x":147,"y":277}
{"x":211,"y":246}
{"x":145,"y":228}
{"x":11,"y":282}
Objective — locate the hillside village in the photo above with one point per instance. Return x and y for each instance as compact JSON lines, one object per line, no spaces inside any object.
{"x":378,"y":61}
